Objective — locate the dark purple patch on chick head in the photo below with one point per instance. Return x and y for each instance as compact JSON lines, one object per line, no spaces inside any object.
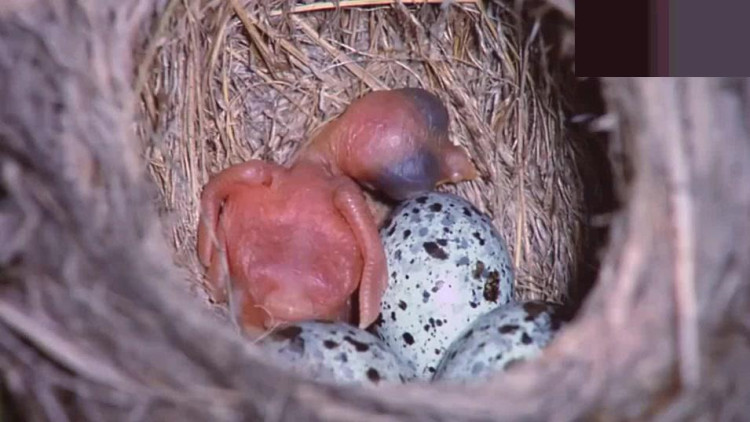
{"x":433,"y":110}
{"x":415,"y":174}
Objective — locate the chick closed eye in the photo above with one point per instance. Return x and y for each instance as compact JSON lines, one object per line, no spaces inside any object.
{"x":414,"y":174}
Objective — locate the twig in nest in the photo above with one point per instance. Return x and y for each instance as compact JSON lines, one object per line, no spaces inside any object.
{"x":298,"y":58}
{"x":255,"y":37}
{"x":328,"y":5}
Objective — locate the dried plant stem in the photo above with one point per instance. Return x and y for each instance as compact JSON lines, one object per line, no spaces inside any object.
{"x":150,"y":53}
{"x":343,"y":4}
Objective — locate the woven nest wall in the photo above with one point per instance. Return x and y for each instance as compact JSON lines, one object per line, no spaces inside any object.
{"x":239,"y":82}
{"x":115,"y":112}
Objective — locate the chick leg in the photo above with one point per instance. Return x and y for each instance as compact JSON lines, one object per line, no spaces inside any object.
{"x":218,"y":269}
{"x":216,"y":191}
{"x":350,"y":201}
{"x":211,"y":238}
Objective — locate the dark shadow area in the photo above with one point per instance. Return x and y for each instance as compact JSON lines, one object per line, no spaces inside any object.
{"x":596,"y":171}
{"x":583,"y":105}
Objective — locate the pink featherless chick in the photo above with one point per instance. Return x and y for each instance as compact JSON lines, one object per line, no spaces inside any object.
{"x":300,"y":241}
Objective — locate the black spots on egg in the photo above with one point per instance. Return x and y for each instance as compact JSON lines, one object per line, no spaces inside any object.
{"x":393,"y":316}
{"x":297,"y":345}
{"x":373,"y":375}
{"x":525,"y":338}
{"x":479,"y":238}
{"x":421,"y":199}
{"x":492,"y":287}
{"x":435,"y":251}
{"x":438,"y":352}
{"x":426,"y":327}
{"x":380,"y":321}
{"x":408,"y":339}
{"x":473,"y":305}
{"x":446,"y":230}
{"x":466,"y":212}
{"x":288,"y":333}
{"x":447,"y":221}
{"x":442,"y":242}
{"x":391,"y":231}
{"x":467,"y":335}
{"x":438,"y":285}
{"x":358,"y":345}
{"x":436,"y":207}
{"x":292,"y":334}
{"x":478,"y":269}
{"x":330,"y":344}
{"x":407,"y":233}
{"x":397,"y":254}
{"x":425,"y":296}
{"x":508,"y":328}
{"x":431,"y":369}
{"x":402,"y":305}
{"x":431,"y":321}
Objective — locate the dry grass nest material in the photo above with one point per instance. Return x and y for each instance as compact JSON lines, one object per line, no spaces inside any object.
{"x":239,"y":81}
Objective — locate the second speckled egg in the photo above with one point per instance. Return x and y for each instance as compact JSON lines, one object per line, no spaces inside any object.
{"x":447,"y":265}
{"x":334,"y":352}
{"x":507,"y":335}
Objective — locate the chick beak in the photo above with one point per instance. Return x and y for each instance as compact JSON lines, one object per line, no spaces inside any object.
{"x":457,"y":166}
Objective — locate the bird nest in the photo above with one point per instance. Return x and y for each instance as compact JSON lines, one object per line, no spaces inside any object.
{"x":255,"y":81}
{"x":116,"y":112}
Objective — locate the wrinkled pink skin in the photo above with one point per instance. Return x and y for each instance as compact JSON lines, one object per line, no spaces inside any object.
{"x":299,"y":241}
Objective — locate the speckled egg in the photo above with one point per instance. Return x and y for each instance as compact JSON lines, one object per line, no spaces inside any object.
{"x":509,"y":334}
{"x":448,"y":265}
{"x":335,"y":352}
